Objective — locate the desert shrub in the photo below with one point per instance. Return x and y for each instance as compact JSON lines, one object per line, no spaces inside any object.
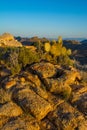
{"x":39,"y":46}
{"x":65,"y":60}
{"x":47,"y":57}
{"x":16,"y":69}
{"x":17,"y":58}
{"x":26,"y":56}
{"x":11,"y":60}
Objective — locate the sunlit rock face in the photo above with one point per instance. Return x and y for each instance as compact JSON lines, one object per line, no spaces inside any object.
{"x":7,"y":39}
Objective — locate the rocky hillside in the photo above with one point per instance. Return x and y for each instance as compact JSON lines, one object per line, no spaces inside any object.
{"x":7,"y":39}
{"x":43,"y":97}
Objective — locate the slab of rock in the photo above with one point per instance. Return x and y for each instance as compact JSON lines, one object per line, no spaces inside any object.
{"x":54,"y":100}
{"x":35,"y":84}
{"x":10,"y":109}
{"x":21,"y":124}
{"x":81,"y":103}
{"x":56,"y":85}
{"x":79,"y":97}
{"x":32,"y":103}
{"x":44,"y":69}
{"x":71,"y":76}
{"x":32,"y":77}
{"x":66,"y":117}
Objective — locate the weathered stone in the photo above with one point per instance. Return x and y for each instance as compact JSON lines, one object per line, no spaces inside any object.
{"x":8,"y":40}
{"x":33,"y":78}
{"x":82,"y":125}
{"x":3,"y":120}
{"x":7,"y":37}
{"x":10,"y":109}
{"x":66,"y":117}
{"x":33,"y":103}
{"x":79,"y":97}
{"x":81,"y":103}
{"x":47,"y":125}
{"x":71,"y":76}
{"x":78,"y":89}
{"x":35,"y":84}
{"x":44,"y":69}
{"x":57,"y":86}
{"x":54,"y":100}
{"x":21,"y":124}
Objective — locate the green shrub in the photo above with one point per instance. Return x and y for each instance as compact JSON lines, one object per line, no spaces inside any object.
{"x":26,"y":56}
{"x":17,"y":58}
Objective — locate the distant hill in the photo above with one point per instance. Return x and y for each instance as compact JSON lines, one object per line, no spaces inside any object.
{"x":30,"y":41}
{"x":79,"y":50}
{"x":84,"y":41}
{"x":76,"y":39}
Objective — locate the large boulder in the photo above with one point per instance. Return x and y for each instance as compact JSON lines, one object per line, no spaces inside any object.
{"x":44,"y":69}
{"x":7,"y":37}
{"x":32,"y":103}
{"x":8,"y":40}
{"x":57,"y":86}
{"x":66,"y":117}
{"x":21,"y":124}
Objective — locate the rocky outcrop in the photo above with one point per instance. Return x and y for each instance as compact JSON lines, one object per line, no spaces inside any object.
{"x":8,"y":40}
{"x":43,"y":97}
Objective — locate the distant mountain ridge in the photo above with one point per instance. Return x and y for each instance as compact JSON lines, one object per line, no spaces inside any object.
{"x":79,"y":50}
{"x":30,"y":41}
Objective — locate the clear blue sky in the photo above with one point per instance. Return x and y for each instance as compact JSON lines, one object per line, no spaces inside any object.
{"x":44,"y":18}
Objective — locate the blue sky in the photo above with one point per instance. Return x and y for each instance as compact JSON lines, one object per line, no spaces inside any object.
{"x":44,"y":18}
